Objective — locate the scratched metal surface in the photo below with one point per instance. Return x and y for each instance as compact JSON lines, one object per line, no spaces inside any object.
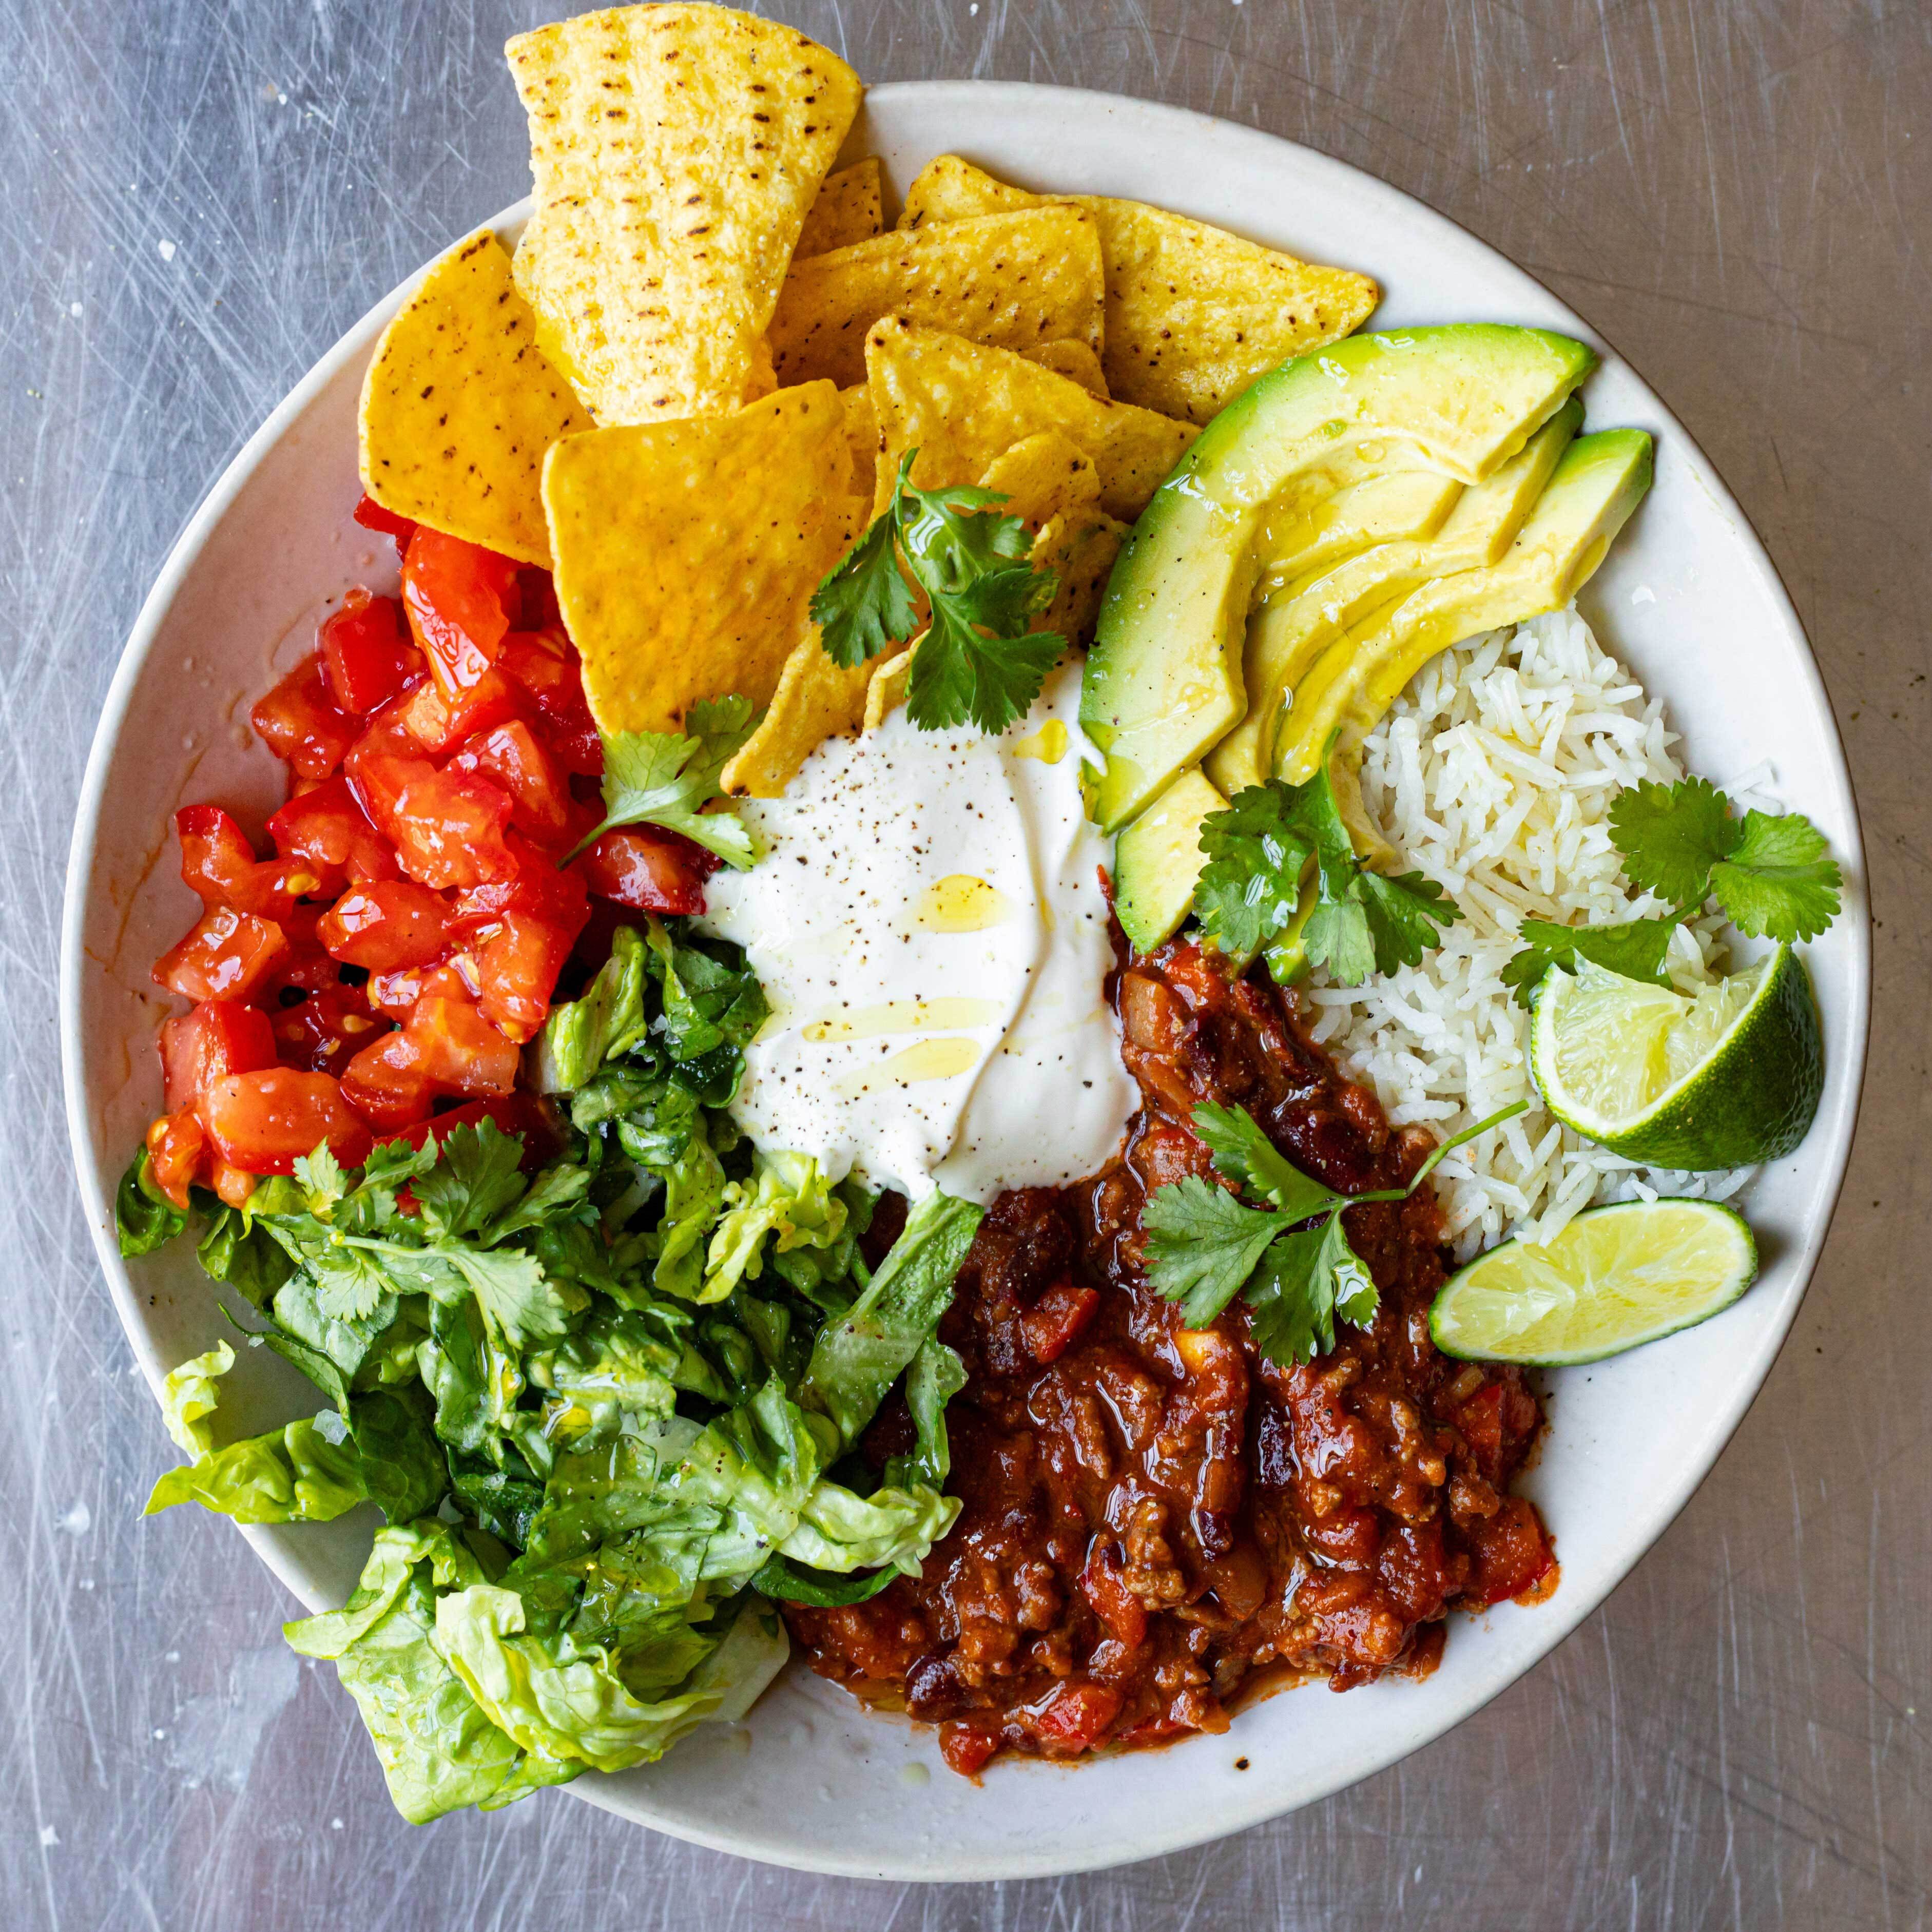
{"x":200,"y":196}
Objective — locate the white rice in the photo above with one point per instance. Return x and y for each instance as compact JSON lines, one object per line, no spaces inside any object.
{"x":1493,"y":775}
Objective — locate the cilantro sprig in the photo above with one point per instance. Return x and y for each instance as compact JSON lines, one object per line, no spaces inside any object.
{"x":1773,"y":875}
{"x":1258,"y":850}
{"x":1290,"y":1258}
{"x":667,"y":778}
{"x":979,"y":661}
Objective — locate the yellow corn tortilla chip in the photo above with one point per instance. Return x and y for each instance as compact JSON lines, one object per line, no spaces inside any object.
{"x":1073,"y":360}
{"x":676,"y":150}
{"x":1042,"y":476}
{"x":1014,"y":279}
{"x":816,"y":699}
{"x":849,"y":209}
{"x":1079,"y":547}
{"x":862,"y":436}
{"x":962,"y":403}
{"x":459,"y":406}
{"x":1194,"y":314}
{"x":687,"y":552}
{"x":887,"y":690}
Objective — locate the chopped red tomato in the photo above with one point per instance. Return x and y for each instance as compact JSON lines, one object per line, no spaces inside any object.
{"x":539,"y":786}
{"x":534,"y":884}
{"x":228,"y":955}
{"x":458,"y":1050}
{"x":516,"y":971}
{"x":300,"y":722}
{"x":449,"y":829}
{"x":219,"y":1038}
{"x":328,"y":832}
{"x":219,"y":864}
{"x":371,"y":515}
{"x":967,"y":1745}
{"x":1103,"y":1583}
{"x":1075,"y":1718}
{"x":386,"y":924}
{"x":1050,"y":1325}
{"x":324,"y":1032}
{"x":175,"y":1145}
{"x":543,"y":663}
{"x":364,"y":653}
{"x":648,"y":869}
{"x":440,"y":721}
{"x":1512,"y":1553}
{"x":537,"y":590}
{"x":386,"y":1085}
{"x":263,"y":1123}
{"x":462,"y":601}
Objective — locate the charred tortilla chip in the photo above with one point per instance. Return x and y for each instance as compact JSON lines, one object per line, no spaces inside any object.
{"x":961,"y":404}
{"x":1194,"y":314}
{"x":1017,"y":280}
{"x":687,"y":552}
{"x":459,"y":406}
{"x":675,"y":150}
{"x":1042,"y":476}
{"x":849,"y":209}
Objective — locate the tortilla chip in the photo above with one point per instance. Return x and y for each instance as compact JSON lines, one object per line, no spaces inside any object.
{"x":1041,"y":476}
{"x":862,"y":435}
{"x":1079,"y":546}
{"x":1073,"y":360}
{"x":675,"y":150}
{"x":1014,"y":279}
{"x":962,"y":403}
{"x":887,"y":690}
{"x":849,"y":209}
{"x":687,"y":552}
{"x":1194,"y":314}
{"x":816,"y":699}
{"x":458,"y":407}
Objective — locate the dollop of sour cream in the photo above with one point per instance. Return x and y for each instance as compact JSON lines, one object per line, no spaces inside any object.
{"x":928,"y":924}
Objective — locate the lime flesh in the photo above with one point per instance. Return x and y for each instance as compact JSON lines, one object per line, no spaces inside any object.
{"x":1726,"y":1079}
{"x":1613,"y":1278}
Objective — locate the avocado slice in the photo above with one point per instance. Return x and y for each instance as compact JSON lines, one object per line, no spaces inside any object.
{"x":1163,"y":682}
{"x":1293,"y":540}
{"x":1288,"y":633}
{"x":1158,"y":858}
{"x":1600,"y":481}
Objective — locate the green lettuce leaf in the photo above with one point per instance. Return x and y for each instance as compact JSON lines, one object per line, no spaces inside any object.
{"x":144,"y":1217}
{"x":607,"y":1021}
{"x":189,"y":1397}
{"x":789,"y":1199}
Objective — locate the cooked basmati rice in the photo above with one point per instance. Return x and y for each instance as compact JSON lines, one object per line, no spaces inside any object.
{"x":1492,"y":774}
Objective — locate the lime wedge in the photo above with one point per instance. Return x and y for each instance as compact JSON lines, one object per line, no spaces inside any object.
{"x":1613,"y":1278}
{"x":1724,"y":1079}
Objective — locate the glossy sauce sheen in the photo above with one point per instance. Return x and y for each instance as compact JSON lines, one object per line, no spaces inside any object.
{"x":1153,"y":1515}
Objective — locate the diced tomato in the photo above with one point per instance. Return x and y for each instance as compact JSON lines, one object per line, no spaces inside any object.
{"x":324,"y":1032}
{"x":219,"y":864}
{"x":327,"y":830}
{"x":516,"y":968}
{"x":386,"y":924}
{"x":300,"y":722}
{"x":371,"y":515}
{"x":264,"y":1122}
{"x":648,"y":869}
{"x":462,"y":601}
{"x":539,"y":787}
{"x":543,"y":663}
{"x":383,"y":761}
{"x":1103,"y":1583}
{"x":459,"y":1050}
{"x":448,"y":828}
{"x":1076,"y":1717}
{"x":1050,"y":1325}
{"x":228,"y":955}
{"x":219,"y":1038}
{"x":386,"y":1085}
{"x":967,"y":1745}
{"x":364,"y":653}
{"x":522,"y":1113}
{"x":175,"y":1144}
{"x":536,"y":589}
{"x":1512,"y":1553}
{"x":535,"y":884}
{"x":440,"y":721}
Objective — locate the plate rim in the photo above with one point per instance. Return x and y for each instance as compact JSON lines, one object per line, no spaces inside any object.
{"x":1169,"y":122}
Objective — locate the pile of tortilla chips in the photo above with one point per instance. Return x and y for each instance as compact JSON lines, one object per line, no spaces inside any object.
{"x":690,"y":388}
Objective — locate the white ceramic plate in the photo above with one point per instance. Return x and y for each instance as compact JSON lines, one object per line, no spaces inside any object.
{"x":1688,"y":599}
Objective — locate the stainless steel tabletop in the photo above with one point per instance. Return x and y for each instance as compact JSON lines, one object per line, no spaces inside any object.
{"x":201,"y":194}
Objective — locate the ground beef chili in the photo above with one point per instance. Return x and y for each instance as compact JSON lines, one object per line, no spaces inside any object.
{"x":1152,"y":1515}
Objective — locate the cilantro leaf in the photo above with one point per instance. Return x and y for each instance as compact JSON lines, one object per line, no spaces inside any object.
{"x":1339,"y":937}
{"x":959,"y":677}
{"x":1671,"y":835}
{"x":1636,"y":948}
{"x":1402,"y":912}
{"x":864,"y":607}
{"x":1202,"y":1244}
{"x":478,"y":1178}
{"x":1306,"y":1280}
{"x":661,"y":778}
{"x":1250,"y":888}
{"x":1246,"y":1156}
{"x":1779,"y":881}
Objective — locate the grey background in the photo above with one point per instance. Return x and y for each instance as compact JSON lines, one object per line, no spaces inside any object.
{"x":200,"y":197}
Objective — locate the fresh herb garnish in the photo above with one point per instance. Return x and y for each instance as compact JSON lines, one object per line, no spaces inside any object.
{"x":664,"y":778}
{"x":1636,"y":948}
{"x":979,"y":660}
{"x":1205,"y":1245}
{"x":1258,"y":849}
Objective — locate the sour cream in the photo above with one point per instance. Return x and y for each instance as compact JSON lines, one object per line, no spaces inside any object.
{"x":928,"y":924}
